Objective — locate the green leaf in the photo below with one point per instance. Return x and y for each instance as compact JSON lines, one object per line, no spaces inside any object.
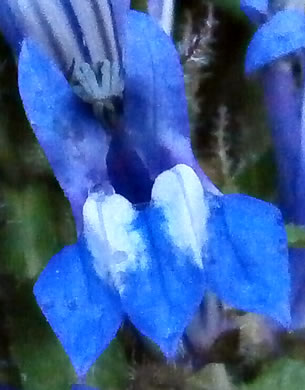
{"x":295,"y":235}
{"x":38,"y":354}
{"x":284,"y":374}
{"x":36,"y":227}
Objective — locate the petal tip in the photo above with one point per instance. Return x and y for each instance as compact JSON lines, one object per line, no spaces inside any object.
{"x":283,"y":34}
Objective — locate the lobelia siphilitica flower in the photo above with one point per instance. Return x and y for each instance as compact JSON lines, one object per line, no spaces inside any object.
{"x":276,"y":55}
{"x":103,"y":89}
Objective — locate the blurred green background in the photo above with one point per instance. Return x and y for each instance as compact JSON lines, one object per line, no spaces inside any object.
{"x":230,"y":138}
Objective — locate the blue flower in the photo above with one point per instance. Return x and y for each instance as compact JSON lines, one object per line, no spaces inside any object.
{"x":274,"y":50}
{"x":153,"y":232}
{"x":256,"y":10}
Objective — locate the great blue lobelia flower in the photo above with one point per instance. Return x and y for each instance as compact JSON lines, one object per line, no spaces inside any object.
{"x":103,"y":89}
{"x":274,"y":53}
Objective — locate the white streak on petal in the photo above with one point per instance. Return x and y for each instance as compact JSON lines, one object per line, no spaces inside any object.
{"x":168,"y":16}
{"x":87,"y":20}
{"x":61,"y":29}
{"x":95,"y":234}
{"x":46,"y":21}
{"x":29,"y":20}
{"x":111,"y":31}
{"x":163,"y":12}
{"x":179,"y":193}
{"x":117,"y":247}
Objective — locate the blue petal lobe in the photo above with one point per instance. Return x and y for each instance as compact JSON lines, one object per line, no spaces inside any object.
{"x":155,"y":104}
{"x":73,"y":141}
{"x":161,"y":298}
{"x":296,"y":261}
{"x":155,"y":252}
{"x":164,"y":284}
{"x":256,"y":10}
{"x":82,"y":387}
{"x":283,"y":34}
{"x":283,"y":100}
{"x":84,"y":313}
{"x":120,"y":11}
{"x":155,"y":108}
{"x":248,"y":265}
{"x":9,"y":25}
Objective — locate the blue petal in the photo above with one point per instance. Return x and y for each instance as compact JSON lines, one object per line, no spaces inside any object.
{"x":156,"y":120}
{"x":82,"y":387}
{"x":120,"y":14}
{"x":127,"y":172}
{"x":162,"y":291}
{"x":161,"y":298}
{"x":73,"y":141}
{"x":296,"y":259}
{"x":84,"y":313}
{"x":256,"y":10}
{"x":155,"y":93}
{"x":155,"y":8}
{"x":248,"y":267}
{"x":283,"y":100}
{"x":66,"y":30}
{"x":282,"y":35}
{"x":155,"y":104}
{"x":9,"y":25}
{"x":155,"y":253}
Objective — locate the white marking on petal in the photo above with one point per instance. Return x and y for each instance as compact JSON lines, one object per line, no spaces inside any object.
{"x":95,"y":234}
{"x":117,"y":247}
{"x":26,"y":13}
{"x":91,"y":34}
{"x":179,"y":193}
{"x":163,"y":12}
{"x":110,"y":29}
{"x":47,"y":22}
